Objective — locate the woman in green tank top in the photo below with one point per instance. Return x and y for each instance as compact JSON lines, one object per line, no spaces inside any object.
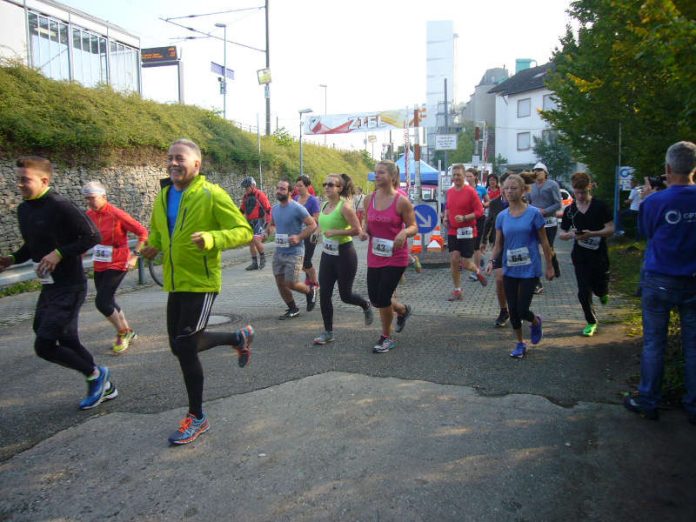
{"x":338,"y":223}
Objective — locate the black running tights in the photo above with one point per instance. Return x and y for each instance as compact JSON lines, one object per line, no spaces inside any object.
{"x":592,"y":279}
{"x":519,"y":293}
{"x":341,"y":268}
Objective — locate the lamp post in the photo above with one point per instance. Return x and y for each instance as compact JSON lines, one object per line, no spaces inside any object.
{"x":326,"y":90}
{"x":223,"y":83}
{"x":301,"y":112}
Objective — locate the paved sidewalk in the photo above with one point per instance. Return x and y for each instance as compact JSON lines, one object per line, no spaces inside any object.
{"x":445,"y":427}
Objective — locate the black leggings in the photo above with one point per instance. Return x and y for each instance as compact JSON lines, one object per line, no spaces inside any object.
{"x":187,"y":317}
{"x":341,"y":268}
{"x":107,"y":282}
{"x":519,"y":293}
{"x":67,"y":352}
{"x":309,"y":247}
{"x":592,"y":279}
{"x":382,"y":283}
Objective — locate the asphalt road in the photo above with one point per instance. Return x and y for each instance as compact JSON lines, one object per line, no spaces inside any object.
{"x":445,"y":427}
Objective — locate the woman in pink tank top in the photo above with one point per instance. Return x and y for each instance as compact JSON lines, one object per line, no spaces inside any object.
{"x":389,"y":221}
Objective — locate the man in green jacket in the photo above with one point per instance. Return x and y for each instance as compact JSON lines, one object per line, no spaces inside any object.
{"x":192,"y":222}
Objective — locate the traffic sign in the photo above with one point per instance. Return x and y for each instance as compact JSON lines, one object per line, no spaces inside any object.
{"x":625,"y":176}
{"x":426,"y":218}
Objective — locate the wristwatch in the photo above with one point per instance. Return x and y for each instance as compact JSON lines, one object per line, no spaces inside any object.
{"x":136,"y":253}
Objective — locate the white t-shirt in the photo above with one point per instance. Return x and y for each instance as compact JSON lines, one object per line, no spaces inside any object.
{"x":635,"y":198}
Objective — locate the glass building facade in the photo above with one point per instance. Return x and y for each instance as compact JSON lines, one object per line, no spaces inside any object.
{"x":66,"y":51}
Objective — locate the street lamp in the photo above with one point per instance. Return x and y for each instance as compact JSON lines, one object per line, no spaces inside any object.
{"x":326,"y":90}
{"x":223,"y":83}
{"x":301,"y":112}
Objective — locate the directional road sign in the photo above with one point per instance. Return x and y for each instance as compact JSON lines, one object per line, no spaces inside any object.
{"x":426,"y":218}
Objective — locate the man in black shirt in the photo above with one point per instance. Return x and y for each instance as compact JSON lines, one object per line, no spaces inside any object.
{"x":589,"y":222}
{"x":56,"y":233}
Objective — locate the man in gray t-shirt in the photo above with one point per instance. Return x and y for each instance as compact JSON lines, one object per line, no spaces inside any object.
{"x":546,"y":196}
{"x":292,"y":224}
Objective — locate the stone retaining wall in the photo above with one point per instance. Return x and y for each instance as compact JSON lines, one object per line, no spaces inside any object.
{"x":131,"y":188}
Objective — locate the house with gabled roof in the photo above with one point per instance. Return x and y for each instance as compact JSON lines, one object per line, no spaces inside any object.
{"x":519,"y":100}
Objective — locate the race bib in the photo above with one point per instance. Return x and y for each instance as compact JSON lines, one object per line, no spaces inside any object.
{"x":518,"y":257}
{"x":330,"y":246}
{"x":551,"y":221}
{"x":282,"y":240}
{"x":44,"y":278}
{"x":382,"y":247}
{"x":103,"y":253}
{"x":465,"y":233}
{"x":591,"y":243}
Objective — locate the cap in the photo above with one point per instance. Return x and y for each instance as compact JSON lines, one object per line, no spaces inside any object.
{"x":541,"y":166}
{"x":93,"y":188}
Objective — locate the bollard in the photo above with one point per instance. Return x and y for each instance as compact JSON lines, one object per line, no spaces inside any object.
{"x":141,"y":271}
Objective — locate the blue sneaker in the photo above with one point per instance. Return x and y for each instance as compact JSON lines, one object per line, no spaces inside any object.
{"x":536,"y":332}
{"x":189,"y":429}
{"x":631,"y":404}
{"x":96,"y":389}
{"x":244,"y":349}
{"x":520,"y":351}
{"x":384,"y":345}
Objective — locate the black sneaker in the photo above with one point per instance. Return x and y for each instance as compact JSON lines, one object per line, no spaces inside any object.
{"x":262,"y":262}
{"x":502,"y":319}
{"x":539,"y":289}
{"x":631,"y":404}
{"x":311,"y":298}
{"x":253,"y":266}
{"x":556,"y":266}
{"x":401,"y":319}
{"x":290,"y":313}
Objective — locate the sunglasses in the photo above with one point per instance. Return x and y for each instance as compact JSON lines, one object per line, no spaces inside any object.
{"x":330,"y":184}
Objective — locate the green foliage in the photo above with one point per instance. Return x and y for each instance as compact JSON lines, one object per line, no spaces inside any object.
{"x":72,"y":124}
{"x":283,"y":137}
{"x":498,"y":163}
{"x":630,"y":63}
{"x":555,"y":154}
{"x":20,"y":288}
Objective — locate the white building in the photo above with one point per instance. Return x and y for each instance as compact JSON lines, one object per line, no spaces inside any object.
{"x":67,"y":44}
{"x":440,"y":60}
{"x":517,"y":120}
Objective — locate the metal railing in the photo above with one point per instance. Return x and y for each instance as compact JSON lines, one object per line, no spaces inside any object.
{"x":25,"y":271}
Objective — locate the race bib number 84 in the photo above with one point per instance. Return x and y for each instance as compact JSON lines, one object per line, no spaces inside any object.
{"x":518,"y":257}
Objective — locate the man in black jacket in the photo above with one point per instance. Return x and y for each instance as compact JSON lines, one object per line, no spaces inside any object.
{"x":56,"y":233}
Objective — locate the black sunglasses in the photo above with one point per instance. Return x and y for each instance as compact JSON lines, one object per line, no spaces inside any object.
{"x":330,"y":184}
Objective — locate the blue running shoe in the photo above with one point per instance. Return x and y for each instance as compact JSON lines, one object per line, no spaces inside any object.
{"x":520,"y":351}
{"x":631,"y":404}
{"x":189,"y":429}
{"x":535,"y":331}
{"x":244,"y":349}
{"x":95,"y":389}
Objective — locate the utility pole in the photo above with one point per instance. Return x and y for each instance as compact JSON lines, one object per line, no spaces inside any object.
{"x":267,"y":88}
{"x":446,"y":124}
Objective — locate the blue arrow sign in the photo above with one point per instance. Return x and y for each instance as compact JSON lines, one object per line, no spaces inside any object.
{"x":426,"y":218}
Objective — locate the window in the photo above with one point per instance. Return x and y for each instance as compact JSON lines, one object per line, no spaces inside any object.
{"x":49,"y":46}
{"x":523,"y":140}
{"x":549,"y":102}
{"x":524,"y":107}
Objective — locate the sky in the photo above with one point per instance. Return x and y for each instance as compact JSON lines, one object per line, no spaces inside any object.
{"x":371,"y":54}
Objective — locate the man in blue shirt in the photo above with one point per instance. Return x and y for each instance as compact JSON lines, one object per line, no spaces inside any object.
{"x":668,"y":220}
{"x":292,"y":225}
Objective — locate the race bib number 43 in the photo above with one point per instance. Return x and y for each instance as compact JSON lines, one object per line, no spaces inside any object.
{"x":382,"y":247}
{"x":518,"y":257}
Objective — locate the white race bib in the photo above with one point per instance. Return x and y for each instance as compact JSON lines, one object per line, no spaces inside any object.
{"x":382,"y":247}
{"x":465,"y":233}
{"x":551,"y":221}
{"x":591,"y":243}
{"x":518,"y":257}
{"x":103,"y":253}
{"x":330,"y":246}
{"x":282,"y":240}
{"x":45,"y":278}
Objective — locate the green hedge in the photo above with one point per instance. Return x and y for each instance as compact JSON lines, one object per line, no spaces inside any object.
{"x":77,"y":125}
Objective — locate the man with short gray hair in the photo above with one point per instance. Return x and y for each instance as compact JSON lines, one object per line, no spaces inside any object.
{"x":668,"y":280}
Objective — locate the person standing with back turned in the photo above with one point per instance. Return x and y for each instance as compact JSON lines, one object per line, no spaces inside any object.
{"x":56,"y":233}
{"x":193,"y":221}
{"x":668,"y":280}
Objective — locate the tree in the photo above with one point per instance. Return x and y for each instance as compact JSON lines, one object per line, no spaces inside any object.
{"x":630,"y":69}
{"x":555,"y":154}
{"x":498,"y":163}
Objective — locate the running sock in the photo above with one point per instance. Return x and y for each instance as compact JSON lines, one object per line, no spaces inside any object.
{"x":255,"y":259}
{"x":262,"y":254}
{"x":95,"y":374}
{"x":292,"y":305}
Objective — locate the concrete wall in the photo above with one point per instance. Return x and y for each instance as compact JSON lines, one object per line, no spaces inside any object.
{"x":131,"y":188}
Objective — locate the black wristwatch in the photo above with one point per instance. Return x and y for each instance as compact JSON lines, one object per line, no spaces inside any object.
{"x":137,"y":254}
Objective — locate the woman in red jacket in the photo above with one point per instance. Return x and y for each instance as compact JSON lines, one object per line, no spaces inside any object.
{"x":112,"y":257}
